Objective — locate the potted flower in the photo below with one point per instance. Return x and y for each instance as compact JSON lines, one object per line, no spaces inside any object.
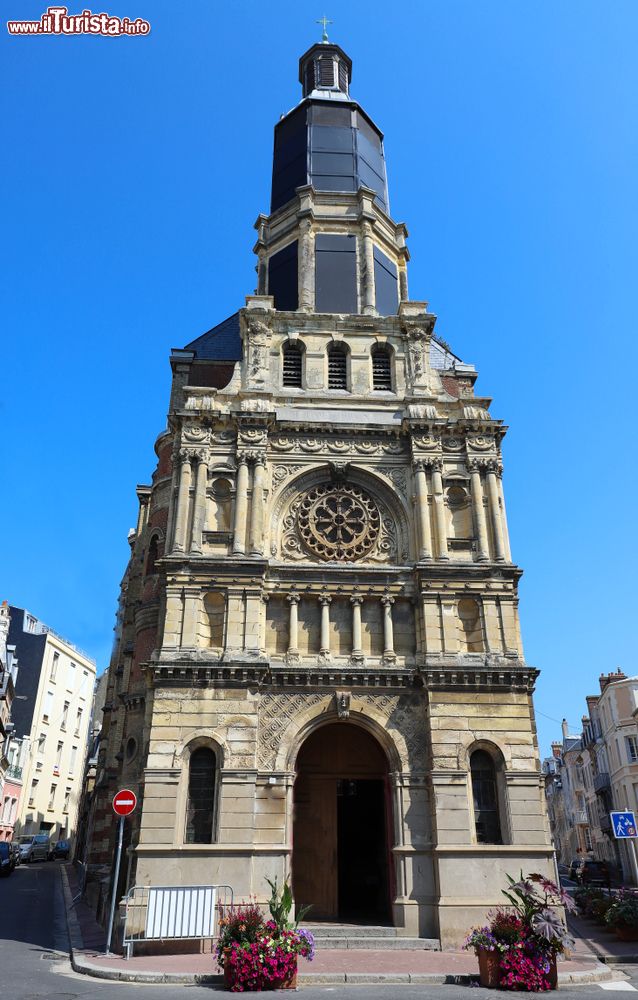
{"x":518,"y":949}
{"x":622,"y":916}
{"x":257,"y":954}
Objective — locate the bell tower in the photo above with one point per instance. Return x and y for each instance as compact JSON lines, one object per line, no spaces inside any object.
{"x":318,"y":642}
{"x":329,"y":244}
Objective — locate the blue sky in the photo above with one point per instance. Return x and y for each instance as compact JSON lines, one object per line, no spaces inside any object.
{"x":134,"y":169}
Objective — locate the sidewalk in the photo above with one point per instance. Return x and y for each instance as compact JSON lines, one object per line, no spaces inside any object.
{"x":330,"y":967}
{"x":603,"y":943}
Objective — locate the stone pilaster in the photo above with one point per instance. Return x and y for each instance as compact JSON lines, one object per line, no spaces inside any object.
{"x":325,"y":603}
{"x":478,"y":509}
{"x":388,"y":628}
{"x":241,"y":505}
{"x":439,"y":510}
{"x":369,"y":300}
{"x":423,"y":511}
{"x":199,"y":505}
{"x":183,"y":495}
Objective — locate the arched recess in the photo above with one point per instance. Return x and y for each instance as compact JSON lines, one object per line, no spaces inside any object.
{"x":394,"y":539}
{"x":153,"y":552}
{"x":201,"y":740}
{"x":487,"y":793}
{"x":342,"y":829}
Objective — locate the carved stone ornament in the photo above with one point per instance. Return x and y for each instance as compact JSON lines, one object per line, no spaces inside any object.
{"x":338,"y":522}
{"x":195,"y":432}
{"x":259,"y":336}
{"x":342,"y":699}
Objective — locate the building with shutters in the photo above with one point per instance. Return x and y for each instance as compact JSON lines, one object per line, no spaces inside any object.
{"x":318,"y":667}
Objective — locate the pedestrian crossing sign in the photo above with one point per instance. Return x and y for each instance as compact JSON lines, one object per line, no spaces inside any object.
{"x":624,"y":824}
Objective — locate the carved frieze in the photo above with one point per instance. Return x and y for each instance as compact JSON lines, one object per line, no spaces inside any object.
{"x":336,"y":445}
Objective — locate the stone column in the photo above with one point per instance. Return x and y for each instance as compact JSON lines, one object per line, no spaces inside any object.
{"x":403,"y":283}
{"x":495,"y":514}
{"x":241,"y":506}
{"x":183,"y":495}
{"x":369,"y":300}
{"x":199,"y":506}
{"x":257,"y":507}
{"x":388,"y":628}
{"x":506,"y":534}
{"x":439,"y":511}
{"x":325,"y":603}
{"x":356,"y":602}
{"x":293,"y":625}
{"x":423,"y":511}
{"x":306,"y":265}
{"x":479,"y":512}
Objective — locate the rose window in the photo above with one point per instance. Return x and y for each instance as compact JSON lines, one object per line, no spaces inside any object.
{"x":338,"y":522}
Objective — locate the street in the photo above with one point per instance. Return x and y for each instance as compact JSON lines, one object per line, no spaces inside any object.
{"x":34,"y":960}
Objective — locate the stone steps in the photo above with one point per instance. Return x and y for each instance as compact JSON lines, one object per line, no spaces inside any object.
{"x":367,"y":937}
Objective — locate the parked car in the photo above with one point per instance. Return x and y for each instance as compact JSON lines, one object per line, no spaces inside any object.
{"x":61,"y":849}
{"x":594,"y":873}
{"x":35,"y":847}
{"x":7,"y":859}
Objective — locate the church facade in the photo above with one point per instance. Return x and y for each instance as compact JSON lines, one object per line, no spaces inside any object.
{"x":318,"y":667}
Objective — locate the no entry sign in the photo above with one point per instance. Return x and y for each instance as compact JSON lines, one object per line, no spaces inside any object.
{"x":124,"y":802}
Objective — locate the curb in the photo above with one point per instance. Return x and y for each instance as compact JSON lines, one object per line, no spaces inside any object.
{"x":599,"y":973}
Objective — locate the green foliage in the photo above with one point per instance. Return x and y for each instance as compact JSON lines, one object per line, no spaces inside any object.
{"x":623,"y":912}
{"x":280,"y":905}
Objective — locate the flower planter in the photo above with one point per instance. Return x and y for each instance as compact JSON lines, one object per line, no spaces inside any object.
{"x":288,"y":982}
{"x":489,"y":972}
{"x":625,"y":933}
{"x":552,"y":975}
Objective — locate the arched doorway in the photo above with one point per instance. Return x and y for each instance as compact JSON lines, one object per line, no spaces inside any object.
{"x":341,"y":826}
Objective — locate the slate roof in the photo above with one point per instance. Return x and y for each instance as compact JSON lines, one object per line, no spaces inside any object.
{"x":221,"y":343}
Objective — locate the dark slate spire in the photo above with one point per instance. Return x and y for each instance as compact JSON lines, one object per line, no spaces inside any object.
{"x":327,"y":141}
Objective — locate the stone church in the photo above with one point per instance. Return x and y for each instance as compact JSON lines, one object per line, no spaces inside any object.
{"x":318,"y":667}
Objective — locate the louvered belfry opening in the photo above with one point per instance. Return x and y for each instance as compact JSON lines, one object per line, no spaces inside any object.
{"x":327,"y":72}
{"x":381,"y":370}
{"x":337,"y":367}
{"x":292,"y":364}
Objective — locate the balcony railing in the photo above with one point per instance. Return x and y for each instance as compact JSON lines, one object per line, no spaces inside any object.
{"x":602,"y":782}
{"x":14,"y":772}
{"x":581,"y":816}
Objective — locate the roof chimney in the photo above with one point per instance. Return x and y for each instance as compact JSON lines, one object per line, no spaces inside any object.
{"x":565,"y":728}
{"x":556,"y":749}
{"x":606,"y":679}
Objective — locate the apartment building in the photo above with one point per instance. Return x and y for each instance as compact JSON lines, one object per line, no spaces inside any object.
{"x":589,"y":776}
{"x":8,"y":677}
{"x":52,"y":711}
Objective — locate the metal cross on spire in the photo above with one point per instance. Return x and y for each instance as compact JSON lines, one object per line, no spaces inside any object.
{"x":324,"y":22}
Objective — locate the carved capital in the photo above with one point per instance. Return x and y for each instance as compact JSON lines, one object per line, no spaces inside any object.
{"x":387,"y":601}
{"x":325,"y":600}
{"x":293,"y":598}
{"x":356,"y":600}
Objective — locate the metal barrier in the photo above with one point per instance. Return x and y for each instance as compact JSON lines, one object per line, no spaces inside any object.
{"x":173,"y":912}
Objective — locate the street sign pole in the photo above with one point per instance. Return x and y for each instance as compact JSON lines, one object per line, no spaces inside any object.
{"x":116,"y":878}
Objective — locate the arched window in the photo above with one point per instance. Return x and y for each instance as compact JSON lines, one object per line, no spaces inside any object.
{"x":485,"y":796}
{"x":337,"y":367}
{"x":152,"y":556}
{"x":201,"y":796}
{"x":381,"y":369}
{"x":292,"y":364}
